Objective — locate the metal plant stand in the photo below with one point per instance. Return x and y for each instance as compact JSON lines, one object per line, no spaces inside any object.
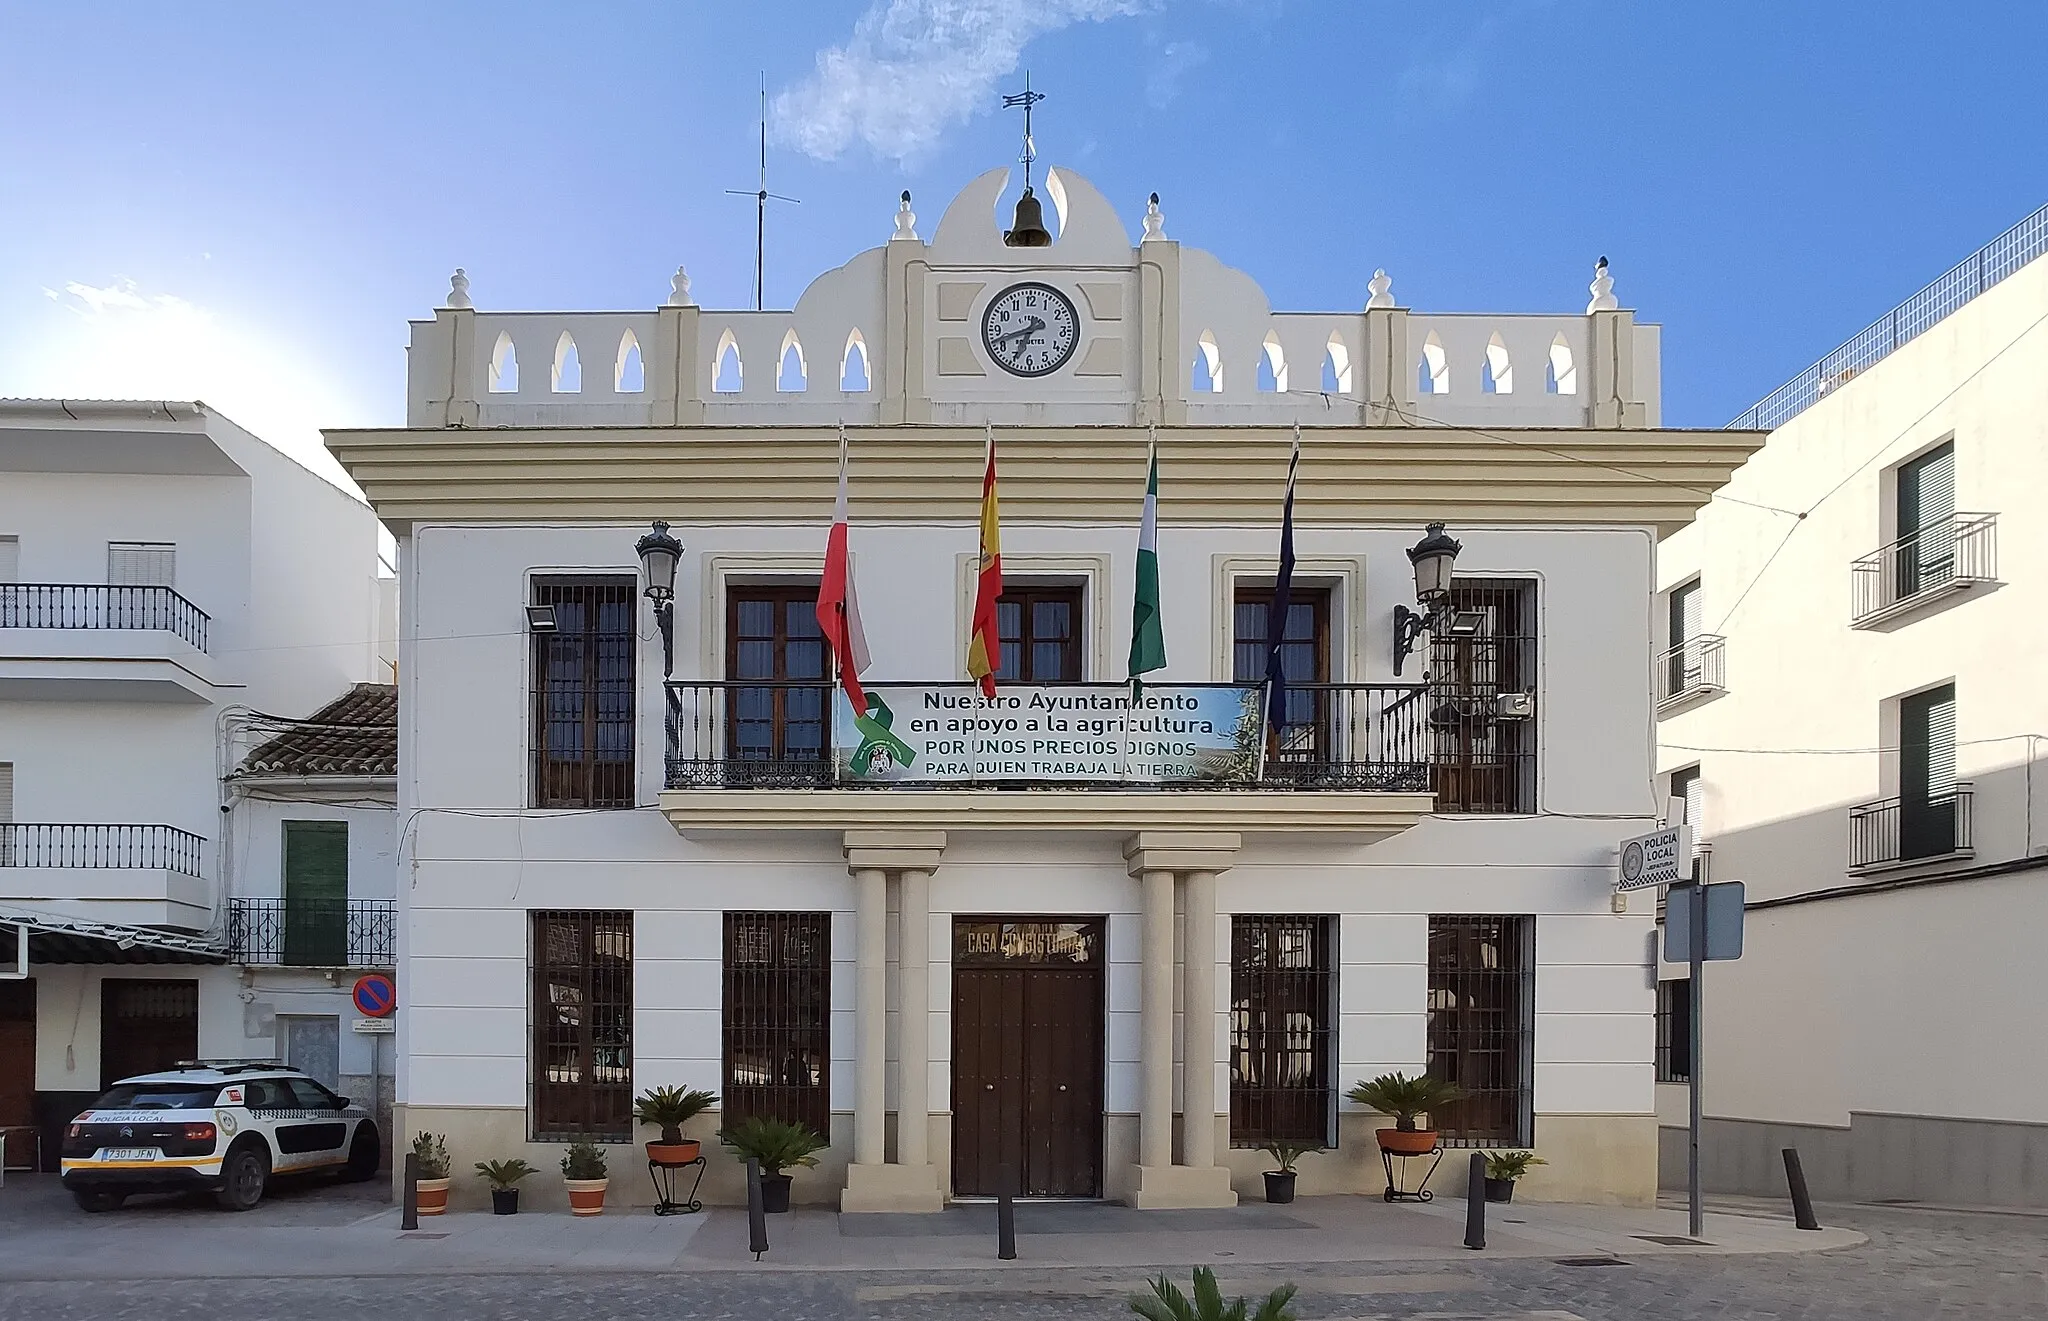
{"x":1397,"y":1188}
{"x":666,"y":1177}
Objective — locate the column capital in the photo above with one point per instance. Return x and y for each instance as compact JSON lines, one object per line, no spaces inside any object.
{"x":893,"y":850}
{"x":1181,"y":850}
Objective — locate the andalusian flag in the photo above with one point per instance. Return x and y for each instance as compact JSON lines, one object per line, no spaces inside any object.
{"x":1148,"y":640}
{"x":838,"y":607}
{"x":985,"y":642}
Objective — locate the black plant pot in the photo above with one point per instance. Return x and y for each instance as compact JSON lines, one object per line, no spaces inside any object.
{"x":1279,"y":1185}
{"x":1500,"y":1190}
{"x":774,"y":1193}
{"x":504,"y":1201}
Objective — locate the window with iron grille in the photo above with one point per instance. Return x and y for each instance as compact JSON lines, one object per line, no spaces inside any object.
{"x":1040,"y":628}
{"x":583,"y":693}
{"x":778,"y":1008}
{"x":772,"y":634}
{"x":1483,"y":760}
{"x":1674,"y":1030}
{"x":582,"y":1058}
{"x":1283,"y":1019}
{"x":1482,"y":1016}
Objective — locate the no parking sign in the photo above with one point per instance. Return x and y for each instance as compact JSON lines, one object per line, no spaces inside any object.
{"x":375,"y":996}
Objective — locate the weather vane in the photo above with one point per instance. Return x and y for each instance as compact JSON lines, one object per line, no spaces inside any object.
{"x":1026,"y":98}
{"x":1029,"y":230}
{"x":761,"y":198}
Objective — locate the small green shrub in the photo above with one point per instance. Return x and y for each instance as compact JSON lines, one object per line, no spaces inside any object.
{"x":432,"y":1149}
{"x":1285,"y":1154}
{"x":584,"y":1160}
{"x":778,"y":1144}
{"x":1168,"y":1303}
{"x":1405,"y":1098}
{"x":1511,"y":1164}
{"x":504,"y":1173}
{"x":669,"y":1108}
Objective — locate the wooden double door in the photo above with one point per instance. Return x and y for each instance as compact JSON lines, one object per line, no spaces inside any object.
{"x":1027,"y":1056}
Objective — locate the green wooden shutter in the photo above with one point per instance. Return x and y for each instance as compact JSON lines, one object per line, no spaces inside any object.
{"x":316,"y":893}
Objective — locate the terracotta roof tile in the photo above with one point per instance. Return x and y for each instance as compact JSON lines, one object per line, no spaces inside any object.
{"x":355,"y":734}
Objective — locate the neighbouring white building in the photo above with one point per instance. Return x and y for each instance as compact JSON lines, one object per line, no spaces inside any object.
{"x":1107,"y":963}
{"x":1851,"y":710}
{"x":176,"y":594}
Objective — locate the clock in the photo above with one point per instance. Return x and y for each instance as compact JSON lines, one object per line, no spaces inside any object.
{"x":1030,"y":329}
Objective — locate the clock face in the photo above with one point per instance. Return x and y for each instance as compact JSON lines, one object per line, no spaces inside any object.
{"x":1030,"y":329}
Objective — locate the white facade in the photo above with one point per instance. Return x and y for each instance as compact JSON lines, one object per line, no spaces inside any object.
{"x":165,"y":575}
{"x":1882,"y":1015}
{"x":495,"y":495}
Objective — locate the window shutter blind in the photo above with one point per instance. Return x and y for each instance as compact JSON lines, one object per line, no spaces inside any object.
{"x":6,"y":793}
{"x":316,"y":861}
{"x":141,"y":564}
{"x":10,"y":559}
{"x":1685,"y":613}
{"x":1695,"y":807}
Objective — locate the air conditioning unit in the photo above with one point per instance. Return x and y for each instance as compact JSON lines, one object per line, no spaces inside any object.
{"x":1514,"y":706}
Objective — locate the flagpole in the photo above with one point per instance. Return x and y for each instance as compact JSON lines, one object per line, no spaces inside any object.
{"x":1277,"y":613}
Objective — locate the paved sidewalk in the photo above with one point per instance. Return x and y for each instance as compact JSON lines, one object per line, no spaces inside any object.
{"x":326,"y":1232}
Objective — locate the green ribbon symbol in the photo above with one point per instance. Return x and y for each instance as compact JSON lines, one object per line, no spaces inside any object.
{"x":875,"y":737}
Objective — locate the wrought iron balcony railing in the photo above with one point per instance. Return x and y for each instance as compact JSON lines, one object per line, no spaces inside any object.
{"x":352,"y":933}
{"x":1891,"y":832}
{"x":39,"y":844}
{"x":1474,"y":751}
{"x":88,"y":605}
{"x":1691,"y":669}
{"x":1958,"y":553}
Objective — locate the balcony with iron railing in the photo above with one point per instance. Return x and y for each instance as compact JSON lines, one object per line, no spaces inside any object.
{"x":313,"y":933}
{"x":148,"y":875}
{"x":84,"y":640}
{"x":1922,"y":568}
{"x":1895,"y":832}
{"x":1691,"y":672}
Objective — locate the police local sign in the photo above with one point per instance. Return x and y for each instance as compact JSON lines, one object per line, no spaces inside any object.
{"x":1662,"y":857}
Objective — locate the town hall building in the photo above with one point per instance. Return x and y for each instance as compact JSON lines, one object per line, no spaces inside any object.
{"x":1100,"y":944}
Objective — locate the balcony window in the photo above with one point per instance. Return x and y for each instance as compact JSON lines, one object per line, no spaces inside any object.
{"x":1691,"y":664}
{"x":316,"y":893}
{"x":142,"y":564}
{"x":1935,"y":550}
{"x":772,"y":635}
{"x":1484,"y":759}
{"x":1040,"y":628}
{"x":1310,"y":719}
{"x":1930,"y":816}
{"x":1689,"y":791}
{"x":583,"y":693}
{"x":363,"y":933}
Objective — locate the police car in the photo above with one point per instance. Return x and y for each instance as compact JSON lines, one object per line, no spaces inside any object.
{"x":219,"y":1128}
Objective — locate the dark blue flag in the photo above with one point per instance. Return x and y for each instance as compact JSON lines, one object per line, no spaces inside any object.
{"x":1283,"y":600}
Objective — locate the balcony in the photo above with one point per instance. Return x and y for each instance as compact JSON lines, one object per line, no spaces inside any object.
{"x":1365,"y":760}
{"x":129,"y":874}
{"x":1690,"y":672}
{"x":353,"y":933}
{"x":70,"y":641}
{"x":1889,"y":833}
{"x":1915,"y":572}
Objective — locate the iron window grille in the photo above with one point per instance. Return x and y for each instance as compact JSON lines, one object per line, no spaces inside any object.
{"x":1483,"y":759}
{"x":1283,"y":1018}
{"x":582,"y":1059}
{"x":777,"y":1017}
{"x":583,"y":693}
{"x":1674,"y":1030}
{"x":1481,"y":1029}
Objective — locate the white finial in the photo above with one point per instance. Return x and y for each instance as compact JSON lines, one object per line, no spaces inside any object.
{"x":1602,"y":289}
{"x":679,"y":290}
{"x":1155,"y":224}
{"x":1382,"y":290}
{"x":906,"y":219}
{"x":458,"y":289}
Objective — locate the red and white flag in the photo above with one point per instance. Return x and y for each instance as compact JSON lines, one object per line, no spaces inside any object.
{"x":838,"y":607}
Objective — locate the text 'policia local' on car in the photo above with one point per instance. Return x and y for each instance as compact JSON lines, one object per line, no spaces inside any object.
{"x":221,"y":1128}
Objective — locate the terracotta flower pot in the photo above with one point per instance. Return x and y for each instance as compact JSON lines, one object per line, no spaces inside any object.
{"x":586,"y":1196}
{"x":433,"y":1196}
{"x":673,"y":1153}
{"x":1404,"y":1142}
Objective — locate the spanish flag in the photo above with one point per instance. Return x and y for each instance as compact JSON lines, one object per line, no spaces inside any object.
{"x":985,"y":642}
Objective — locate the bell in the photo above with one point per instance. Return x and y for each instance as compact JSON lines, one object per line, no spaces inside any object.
{"x":1030,"y":231}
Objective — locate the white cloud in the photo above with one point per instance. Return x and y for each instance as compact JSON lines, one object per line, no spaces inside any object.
{"x":914,"y":68}
{"x":1176,"y":60}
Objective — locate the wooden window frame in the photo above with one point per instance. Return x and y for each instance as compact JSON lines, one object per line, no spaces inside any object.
{"x":589,"y":779}
{"x":780,"y":685}
{"x":1250,"y":592}
{"x":1302,"y":1110}
{"x":775,"y":1005}
{"x":595,"y":1100}
{"x":1025,"y":596}
{"x":1464,"y":1034}
{"x":312,"y":933}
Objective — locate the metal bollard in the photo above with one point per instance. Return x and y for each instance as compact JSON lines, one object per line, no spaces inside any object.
{"x":757,"y":1218}
{"x":1475,"y":1203}
{"x":411,"y":1218}
{"x":1802,"y":1201}
{"x":1006,"y":1216}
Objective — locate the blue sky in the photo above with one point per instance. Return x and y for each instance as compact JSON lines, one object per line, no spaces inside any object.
{"x":245,"y":202}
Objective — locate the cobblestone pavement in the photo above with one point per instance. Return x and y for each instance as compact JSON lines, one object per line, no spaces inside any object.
{"x":1918,"y":1264}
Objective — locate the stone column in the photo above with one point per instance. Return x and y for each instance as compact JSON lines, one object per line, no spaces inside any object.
{"x":1155,"y":1104}
{"x":913,"y":1035}
{"x":1198,"y":1020}
{"x":870,"y":1011}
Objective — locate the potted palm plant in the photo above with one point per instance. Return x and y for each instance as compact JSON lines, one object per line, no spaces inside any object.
{"x":668,"y":1109}
{"x":1280,"y":1182}
{"x":779,"y":1145}
{"x":431,"y":1188}
{"x":504,"y":1177}
{"x":1503,"y":1168}
{"x":585,"y":1176}
{"x":1168,"y":1303}
{"x":1406,"y":1099}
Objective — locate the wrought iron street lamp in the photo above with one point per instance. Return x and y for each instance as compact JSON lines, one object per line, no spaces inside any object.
{"x":1432,"y":557}
{"x":659,"y":553}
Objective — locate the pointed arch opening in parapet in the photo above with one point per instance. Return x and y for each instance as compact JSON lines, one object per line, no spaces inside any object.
{"x":504,"y":365}
{"x":1497,"y":372}
{"x":1337,"y":365}
{"x":567,"y":376}
{"x":1561,"y":373}
{"x":727,"y":373}
{"x":790,"y":374}
{"x":1433,"y":370}
{"x":629,"y":373}
{"x":1272,"y":365}
{"x":853,"y":365}
{"x":1206,"y":373}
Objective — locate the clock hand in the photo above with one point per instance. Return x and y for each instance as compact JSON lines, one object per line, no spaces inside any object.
{"x":1031,"y":328}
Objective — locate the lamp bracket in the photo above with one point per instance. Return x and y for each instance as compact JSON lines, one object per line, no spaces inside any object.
{"x":1408,"y":626}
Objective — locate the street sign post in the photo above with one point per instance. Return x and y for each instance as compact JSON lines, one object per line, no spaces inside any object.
{"x":1723,"y":924}
{"x":375,"y":995}
{"x":1701,"y":922}
{"x":1662,"y":857}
